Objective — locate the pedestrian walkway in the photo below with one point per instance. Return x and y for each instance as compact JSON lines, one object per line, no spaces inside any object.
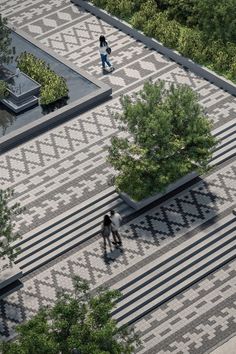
{"x":62,"y":177}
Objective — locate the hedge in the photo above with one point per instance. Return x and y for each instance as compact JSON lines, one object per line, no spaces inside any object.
{"x":191,"y":42}
{"x":53,"y":86}
{"x":3,"y":89}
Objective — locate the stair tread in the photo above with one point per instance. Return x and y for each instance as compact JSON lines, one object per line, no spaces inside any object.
{"x":132,"y":314}
{"x":227,"y":223}
{"x":36,"y":251}
{"x":109,"y":193}
{"x":27,"y":268}
{"x":224,"y":149}
{"x":184,"y":267}
{"x":226,"y":140}
{"x":223,"y":129}
{"x":46,"y":237}
{"x":222,"y":157}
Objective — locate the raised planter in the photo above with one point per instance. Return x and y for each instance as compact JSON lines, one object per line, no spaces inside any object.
{"x":144,"y":202}
{"x":9,"y":278}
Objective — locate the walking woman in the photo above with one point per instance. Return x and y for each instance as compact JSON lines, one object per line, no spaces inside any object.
{"x":106,"y":232}
{"x":103,"y":50}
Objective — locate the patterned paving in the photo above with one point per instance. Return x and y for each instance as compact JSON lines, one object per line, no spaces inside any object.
{"x":67,"y":165}
{"x":145,"y":239}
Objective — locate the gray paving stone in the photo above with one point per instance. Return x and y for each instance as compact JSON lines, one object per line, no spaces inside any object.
{"x":62,"y":167}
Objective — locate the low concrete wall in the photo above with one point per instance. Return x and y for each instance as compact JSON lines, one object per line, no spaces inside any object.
{"x":9,"y":278}
{"x":142,"y":203}
{"x":103,"y":92}
{"x":152,"y":43}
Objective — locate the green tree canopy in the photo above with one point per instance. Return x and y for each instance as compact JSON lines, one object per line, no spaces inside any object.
{"x":217,"y":18}
{"x":5,"y":41}
{"x":8,"y":210}
{"x":77,"y":320}
{"x":169,"y":137}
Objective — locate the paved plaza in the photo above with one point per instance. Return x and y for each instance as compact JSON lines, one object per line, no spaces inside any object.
{"x":66,"y":166}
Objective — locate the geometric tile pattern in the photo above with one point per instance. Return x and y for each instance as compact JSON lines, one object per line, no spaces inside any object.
{"x":58,"y":144}
{"x":144,"y":237}
{"x":196,"y":320}
{"x":67,"y":165}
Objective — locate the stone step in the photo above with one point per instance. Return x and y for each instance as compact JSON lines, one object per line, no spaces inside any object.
{"x":223,"y":129}
{"x":227,"y":144}
{"x":175,"y":271}
{"x":225,"y":140}
{"x":70,"y":215}
{"x":73,"y":230}
{"x":67,"y":234}
{"x":72,"y":223}
{"x":32,"y":264}
{"x":131,"y":317}
{"x":185,"y":249}
{"x":77,"y":225}
{"x":226,"y":153}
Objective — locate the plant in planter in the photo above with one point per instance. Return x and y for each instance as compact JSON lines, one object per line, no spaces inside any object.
{"x":53,"y":87}
{"x":7,"y":212}
{"x":3,"y":89}
{"x":5,"y":42}
{"x":170,"y":136}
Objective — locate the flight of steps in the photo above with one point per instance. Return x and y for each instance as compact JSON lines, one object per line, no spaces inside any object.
{"x":68,"y":230}
{"x":175,"y":271}
{"x":226,"y":148}
{"x":77,"y":225}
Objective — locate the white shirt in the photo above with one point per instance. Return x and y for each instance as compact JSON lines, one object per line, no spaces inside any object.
{"x":102,"y":50}
{"x":116,"y":221}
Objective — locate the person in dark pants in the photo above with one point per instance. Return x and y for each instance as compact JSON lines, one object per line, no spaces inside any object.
{"x":106,"y":232}
{"x":116,"y":220}
{"x":103,"y":53}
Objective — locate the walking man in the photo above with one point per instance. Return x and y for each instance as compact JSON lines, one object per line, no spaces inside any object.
{"x":116,"y":220}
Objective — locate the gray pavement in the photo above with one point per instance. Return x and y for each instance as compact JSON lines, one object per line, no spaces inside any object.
{"x":67,"y":165}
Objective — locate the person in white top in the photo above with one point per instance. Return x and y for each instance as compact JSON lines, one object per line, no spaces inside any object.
{"x":103,"y":53}
{"x":116,"y":220}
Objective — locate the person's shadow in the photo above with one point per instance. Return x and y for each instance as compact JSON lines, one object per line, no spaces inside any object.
{"x":111,"y":256}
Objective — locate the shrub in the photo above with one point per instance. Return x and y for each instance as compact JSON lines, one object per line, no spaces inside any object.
{"x":7,"y":214}
{"x":201,"y":30}
{"x":170,"y":136}
{"x":166,"y":31}
{"x":5,"y":41}
{"x":191,"y":44}
{"x":53,"y":86}
{"x":144,"y":15}
{"x":3,"y":89}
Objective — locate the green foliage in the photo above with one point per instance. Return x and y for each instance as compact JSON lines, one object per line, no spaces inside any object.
{"x":7,"y":212}
{"x":160,"y":27}
{"x":77,"y":320}
{"x":53,"y":86}
{"x":5,"y":42}
{"x":170,"y":137}
{"x":120,"y":8}
{"x":191,"y":44}
{"x":3,"y":89}
{"x":217,"y":18}
{"x":182,"y":11}
{"x":204,"y":31}
{"x":144,"y":15}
